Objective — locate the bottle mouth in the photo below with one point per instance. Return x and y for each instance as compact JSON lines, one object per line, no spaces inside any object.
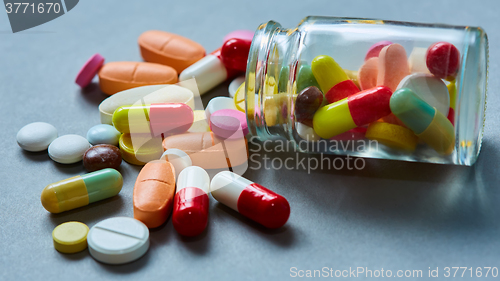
{"x":256,"y":76}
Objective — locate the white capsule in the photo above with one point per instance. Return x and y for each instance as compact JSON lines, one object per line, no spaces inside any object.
{"x":208,"y":72}
{"x":178,"y":158}
{"x":417,"y":60}
{"x":193,"y":176}
{"x":218,"y":103}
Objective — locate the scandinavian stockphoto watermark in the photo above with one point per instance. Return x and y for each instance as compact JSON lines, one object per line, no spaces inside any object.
{"x":321,"y":159}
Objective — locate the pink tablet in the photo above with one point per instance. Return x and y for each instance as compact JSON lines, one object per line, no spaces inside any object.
{"x":89,"y":70}
{"x":229,"y":123}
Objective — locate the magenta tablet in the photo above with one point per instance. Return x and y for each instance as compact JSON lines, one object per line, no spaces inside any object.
{"x":89,"y":70}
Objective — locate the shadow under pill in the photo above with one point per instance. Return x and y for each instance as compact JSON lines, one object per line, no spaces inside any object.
{"x":40,"y":156}
{"x":126,"y":268}
{"x":71,"y":169}
{"x":93,"y":94}
{"x":283,"y":236}
{"x":76,"y":256}
{"x":198,"y":244}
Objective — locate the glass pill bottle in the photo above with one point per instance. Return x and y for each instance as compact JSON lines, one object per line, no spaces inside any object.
{"x":370,"y":88}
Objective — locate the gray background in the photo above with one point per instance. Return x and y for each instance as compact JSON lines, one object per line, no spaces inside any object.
{"x":392,"y":215}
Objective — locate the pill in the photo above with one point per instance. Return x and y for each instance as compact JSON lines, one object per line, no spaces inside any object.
{"x":190,"y":212}
{"x":81,"y":190}
{"x":118,"y":240}
{"x":305,"y":78}
{"x":332,"y":79}
{"x":429,"y":88}
{"x":218,"y":103}
{"x":357,"y":133}
{"x":209,"y":151}
{"x":241,"y":34}
{"x":103,"y":134}
{"x":306,"y":132}
{"x":235,"y":84}
{"x":416,"y":60}
{"x":367,"y":74}
{"x":200,"y":123}
{"x":353,"y":75}
{"x":392,"y":135}
{"x":102,"y":156}
{"x":250,"y":199}
{"x":426,"y":122}
{"x":36,"y":136}
{"x":356,"y":110}
{"x":229,"y":124}
{"x":68,"y":149}
{"x":374,"y":50}
{"x":144,"y":95}
{"x":89,"y":70}
{"x":443,"y":60}
{"x":138,"y":149}
{"x":234,"y":53}
{"x":239,"y":98}
{"x":208,"y":72}
{"x":169,"y":49}
{"x":119,"y":76}
{"x":307,"y":103}
{"x":154,"y":193}
{"x":178,"y":158}
{"x":70,"y":237}
{"x":452,"y":90}
{"x":392,"y":66}
{"x":157,"y":119}
{"x":283,"y":79}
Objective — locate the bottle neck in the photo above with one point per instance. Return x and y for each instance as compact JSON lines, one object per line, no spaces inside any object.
{"x":270,"y":81}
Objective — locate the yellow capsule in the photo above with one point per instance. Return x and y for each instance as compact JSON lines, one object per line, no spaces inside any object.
{"x":452,"y":89}
{"x":392,"y":135}
{"x":333,"y":119}
{"x":327,"y":72}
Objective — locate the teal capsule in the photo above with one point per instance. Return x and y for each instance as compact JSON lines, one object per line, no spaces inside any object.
{"x":426,"y":122}
{"x":305,"y":78}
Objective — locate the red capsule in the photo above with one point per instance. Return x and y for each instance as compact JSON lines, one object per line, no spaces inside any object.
{"x":234,"y":53}
{"x":190,"y":214}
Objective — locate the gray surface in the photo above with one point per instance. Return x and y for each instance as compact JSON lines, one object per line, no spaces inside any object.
{"x":392,"y":215}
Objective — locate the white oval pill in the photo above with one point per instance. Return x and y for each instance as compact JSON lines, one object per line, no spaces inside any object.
{"x":118,"y":240}
{"x":417,"y":61}
{"x":218,"y":103}
{"x":429,"y":88}
{"x":306,"y":132}
{"x":36,"y":136}
{"x":178,"y":158}
{"x":235,"y":84}
{"x":68,"y":149}
{"x":103,"y":134}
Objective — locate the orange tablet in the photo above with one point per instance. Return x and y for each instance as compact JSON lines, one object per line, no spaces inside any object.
{"x":115,"y":77}
{"x":154,"y":193}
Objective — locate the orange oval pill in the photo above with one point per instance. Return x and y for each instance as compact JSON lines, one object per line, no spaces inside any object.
{"x":154,"y":193}
{"x":169,"y":49}
{"x":115,"y":77}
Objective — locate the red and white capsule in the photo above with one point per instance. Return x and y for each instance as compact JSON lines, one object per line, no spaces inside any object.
{"x":190,"y":215}
{"x":250,"y":199}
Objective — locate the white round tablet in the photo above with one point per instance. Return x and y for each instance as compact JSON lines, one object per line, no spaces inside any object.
{"x":36,"y":136}
{"x":429,"y":88}
{"x":118,"y":240}
{"x":218,"y":103}
{"x":306,"y":132}
{"x":235,"y":84}
{"x":178,"y":158}
{"x":68,"y":149}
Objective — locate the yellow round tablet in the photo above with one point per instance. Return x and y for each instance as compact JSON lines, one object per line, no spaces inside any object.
{"x":394,"y":136}
{"x":70,"y":237}
{"x":239,"y":98}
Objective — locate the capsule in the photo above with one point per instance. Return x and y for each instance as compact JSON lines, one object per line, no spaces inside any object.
{"x":81,"y":190}
{"x":161,"y":118}
{"x":208,"y":151}
{"x":190,"y":214}
{"x":234,"y":53}
{"x":154,"y":193}
{"x":115,"y":77}
{"x":332,"y":79}
{"x":169,"y":49}
{"x":356,"y":110}
{"x":426,"y":122}
{"x":250,"y":199}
